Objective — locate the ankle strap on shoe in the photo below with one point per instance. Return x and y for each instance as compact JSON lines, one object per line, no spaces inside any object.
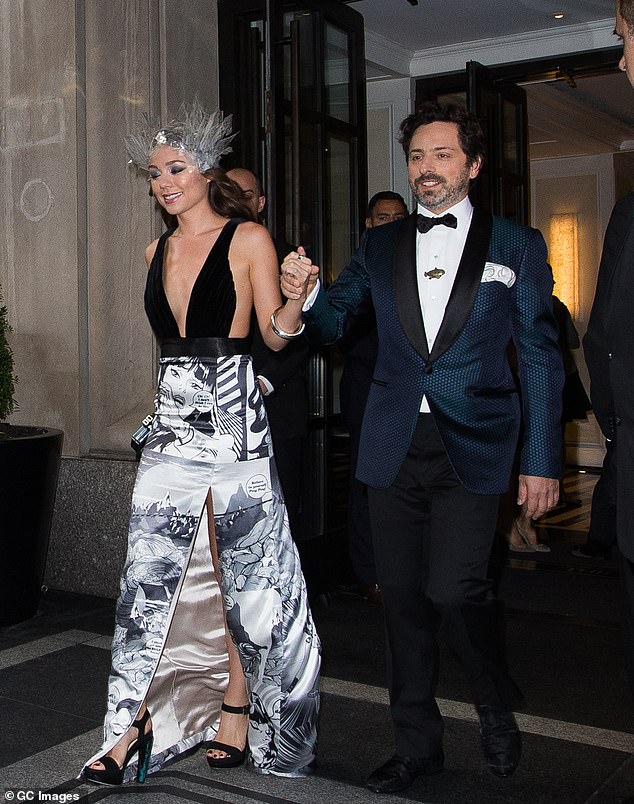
{"x":140,"y":722}
{"x":236,"y":710}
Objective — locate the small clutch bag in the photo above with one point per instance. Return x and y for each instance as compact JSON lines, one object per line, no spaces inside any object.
{"x":139,"y":437}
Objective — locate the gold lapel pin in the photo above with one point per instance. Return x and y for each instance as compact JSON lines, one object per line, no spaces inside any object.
{"x":435,"y":273}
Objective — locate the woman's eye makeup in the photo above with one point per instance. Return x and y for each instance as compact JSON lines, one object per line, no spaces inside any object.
{"x":172,"y":169}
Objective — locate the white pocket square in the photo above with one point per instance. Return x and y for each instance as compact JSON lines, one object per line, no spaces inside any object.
{"x":494,"y":272}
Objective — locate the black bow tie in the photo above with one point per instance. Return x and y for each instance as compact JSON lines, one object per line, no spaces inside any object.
{"x":424,"y":223}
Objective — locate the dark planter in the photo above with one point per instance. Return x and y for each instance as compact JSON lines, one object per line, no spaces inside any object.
{"x":29,"y":468}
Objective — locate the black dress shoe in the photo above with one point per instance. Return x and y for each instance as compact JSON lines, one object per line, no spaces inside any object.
{"x":500,"y":738}
{"x":592,"y":550}
{"x":399,"y":773}
{"x":371,"y":592}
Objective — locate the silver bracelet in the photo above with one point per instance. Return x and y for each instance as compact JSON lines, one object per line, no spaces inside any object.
{"x":287,"y":336}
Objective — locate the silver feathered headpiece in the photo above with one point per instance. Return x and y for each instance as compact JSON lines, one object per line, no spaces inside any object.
{"x":205,"y":137}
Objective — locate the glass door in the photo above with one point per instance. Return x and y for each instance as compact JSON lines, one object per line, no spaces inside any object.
{"x":293,"y":75}
{"x":503,"y":183}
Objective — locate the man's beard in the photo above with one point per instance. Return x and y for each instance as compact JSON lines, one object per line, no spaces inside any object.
{"x":444,"y":195}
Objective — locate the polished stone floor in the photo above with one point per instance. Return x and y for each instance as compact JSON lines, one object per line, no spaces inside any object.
{"x":563,"y":647}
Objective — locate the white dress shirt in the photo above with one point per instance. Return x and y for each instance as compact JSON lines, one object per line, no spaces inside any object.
{"x":439,"y":248}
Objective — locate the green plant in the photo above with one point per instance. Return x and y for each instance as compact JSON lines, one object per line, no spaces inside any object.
{"x":7,"y":376}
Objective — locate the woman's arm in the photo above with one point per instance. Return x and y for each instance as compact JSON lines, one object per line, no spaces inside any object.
{"x":256,"y":247}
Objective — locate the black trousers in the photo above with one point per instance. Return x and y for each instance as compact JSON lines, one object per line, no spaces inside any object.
{"x":602,"y":529}
{"x":626,"y":579}
{"x":360,"y":547}
{"x":432,"y":540}
{"x":289,"y":458}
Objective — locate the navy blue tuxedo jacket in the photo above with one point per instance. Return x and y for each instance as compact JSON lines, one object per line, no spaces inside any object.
{"x":466,"y":377}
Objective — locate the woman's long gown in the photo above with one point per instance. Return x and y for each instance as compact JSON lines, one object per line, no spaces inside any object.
{"x":210,"y":432}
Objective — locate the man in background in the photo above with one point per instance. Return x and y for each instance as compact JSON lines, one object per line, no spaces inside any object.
{"x":609,"y":350}
{"x":385,"y":207}
{"x":359,"y":347}
{"x":282,"y":379}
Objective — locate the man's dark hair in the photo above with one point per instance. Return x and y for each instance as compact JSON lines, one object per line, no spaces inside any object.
{"x":626,"y":10}
{"x":469,"y":130}
{"x":384,"y":195}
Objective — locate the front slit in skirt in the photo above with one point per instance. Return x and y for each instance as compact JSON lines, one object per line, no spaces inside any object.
{"x":210,"y":432}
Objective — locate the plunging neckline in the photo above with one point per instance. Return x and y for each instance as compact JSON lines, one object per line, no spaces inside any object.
{"x":195,"y":282}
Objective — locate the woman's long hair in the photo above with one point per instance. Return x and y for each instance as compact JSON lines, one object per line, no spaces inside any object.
{"x":226,"y":197}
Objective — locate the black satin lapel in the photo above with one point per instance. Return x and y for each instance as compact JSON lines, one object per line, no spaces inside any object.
{"x":406,"y":287}
{"x":467,"y":282}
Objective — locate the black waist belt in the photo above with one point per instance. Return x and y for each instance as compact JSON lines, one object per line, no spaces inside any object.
{"x":204,"y":347}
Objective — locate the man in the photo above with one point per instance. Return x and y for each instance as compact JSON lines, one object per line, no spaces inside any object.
{"x":602,"y":531}
{"x":450,"y":286}
{"x":385,"y":207}
{"x":609,"y":346}
{"x":359,"y":347}
{"x":282,"y":378}
{"x":252,"y":191}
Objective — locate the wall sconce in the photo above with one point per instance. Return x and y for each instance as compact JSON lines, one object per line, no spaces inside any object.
{"x":563,"y":253}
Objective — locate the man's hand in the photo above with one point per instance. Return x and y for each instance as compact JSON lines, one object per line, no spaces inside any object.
{"x":539,"y":493}
{"x":299,"y":275}
{"x":264,"y":388}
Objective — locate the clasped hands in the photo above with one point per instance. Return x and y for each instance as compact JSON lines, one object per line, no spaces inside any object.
{"x":299,"y":275}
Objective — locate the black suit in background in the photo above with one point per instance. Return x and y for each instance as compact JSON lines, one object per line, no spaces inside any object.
{"x":359,"y":347}
{"x":609,"y":351}
{"x":286,"y":407}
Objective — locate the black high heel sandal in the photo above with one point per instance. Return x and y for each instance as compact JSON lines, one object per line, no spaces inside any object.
{"x":111,"y":773}
{"x":234,"y":756}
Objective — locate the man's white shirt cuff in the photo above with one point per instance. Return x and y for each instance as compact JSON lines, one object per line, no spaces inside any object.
{"x":266,"y":384}
{"x":310,"y":299}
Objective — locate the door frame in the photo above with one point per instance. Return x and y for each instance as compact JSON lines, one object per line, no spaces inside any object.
{"x":566,"y":67}
{"x":298,"y":112}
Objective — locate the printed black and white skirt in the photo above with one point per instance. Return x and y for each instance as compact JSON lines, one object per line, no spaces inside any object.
{"x":210,"y":433}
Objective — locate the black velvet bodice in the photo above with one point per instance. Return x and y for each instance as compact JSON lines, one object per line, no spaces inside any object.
{"x":212,"y":303}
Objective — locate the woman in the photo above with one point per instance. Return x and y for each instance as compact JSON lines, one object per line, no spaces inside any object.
{"x":207,"y":479}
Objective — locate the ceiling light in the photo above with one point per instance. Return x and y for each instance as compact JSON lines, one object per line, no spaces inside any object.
{"x":559,"y":15}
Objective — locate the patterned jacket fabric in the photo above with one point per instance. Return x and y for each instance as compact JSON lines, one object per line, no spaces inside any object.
{"x":503,"y":291}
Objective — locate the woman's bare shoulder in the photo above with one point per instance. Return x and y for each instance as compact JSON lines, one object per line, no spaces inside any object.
{"x":150,"y":251}
{"x":252,"y":233}
{"x":251,"y":240}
